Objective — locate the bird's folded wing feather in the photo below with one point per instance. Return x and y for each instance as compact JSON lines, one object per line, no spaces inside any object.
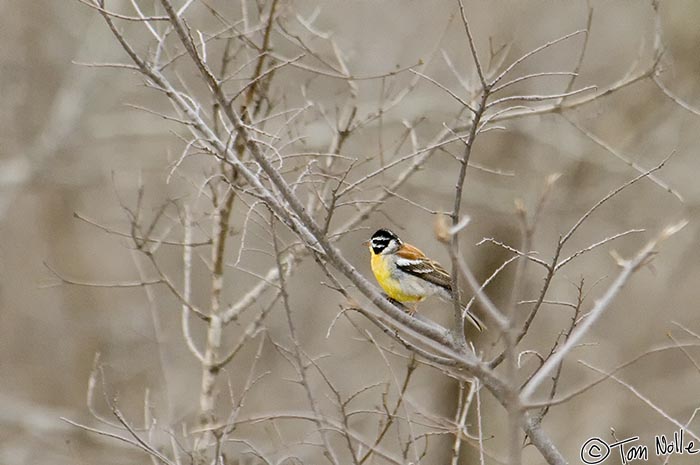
{"x":413,"y":261}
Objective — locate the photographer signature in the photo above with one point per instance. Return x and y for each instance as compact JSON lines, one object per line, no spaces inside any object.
{"x":595,"y":450}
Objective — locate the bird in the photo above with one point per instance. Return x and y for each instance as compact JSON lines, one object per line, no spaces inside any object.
{"x":406,"y":274}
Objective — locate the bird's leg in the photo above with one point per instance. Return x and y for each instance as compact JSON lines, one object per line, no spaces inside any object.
{"x":411,"y":309}
{"x":408,"y":309}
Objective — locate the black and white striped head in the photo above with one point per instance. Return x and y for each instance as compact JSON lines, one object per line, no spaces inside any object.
{"x":384,"y":242}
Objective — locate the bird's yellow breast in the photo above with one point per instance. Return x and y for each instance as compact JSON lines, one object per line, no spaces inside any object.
{"x":384,"y":272}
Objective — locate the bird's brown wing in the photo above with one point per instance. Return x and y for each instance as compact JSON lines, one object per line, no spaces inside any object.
{"x":412,"y":261}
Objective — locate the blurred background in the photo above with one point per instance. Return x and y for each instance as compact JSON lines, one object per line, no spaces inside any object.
{"x":71,"y":142}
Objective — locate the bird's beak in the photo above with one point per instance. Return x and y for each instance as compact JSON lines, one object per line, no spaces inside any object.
{"x":365,"y":243}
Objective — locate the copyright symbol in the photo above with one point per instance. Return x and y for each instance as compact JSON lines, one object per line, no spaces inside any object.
{"x":594,"y":451}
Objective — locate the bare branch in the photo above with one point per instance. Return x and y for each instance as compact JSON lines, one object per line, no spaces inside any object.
{"x":534,"y":52}
{"x":629,"y":162}
{"x":680,"y":102}
{"x":472,"y":47}
{"x":114,"y":284}
{"x":610,"y":195}
{"x":646,"y":400}
{"x":596,"y":312}
{"x":595,"y":245}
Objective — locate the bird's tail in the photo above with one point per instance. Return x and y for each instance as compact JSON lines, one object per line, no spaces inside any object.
{"x":474,"y":320}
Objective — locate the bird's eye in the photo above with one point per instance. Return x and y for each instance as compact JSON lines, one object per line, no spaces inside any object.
{"x":379,"y":243}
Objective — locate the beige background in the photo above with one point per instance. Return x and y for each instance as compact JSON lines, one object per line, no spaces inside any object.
{"x":69,"y":143}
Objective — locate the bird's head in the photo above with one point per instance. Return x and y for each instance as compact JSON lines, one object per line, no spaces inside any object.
{"x":384,"y":241}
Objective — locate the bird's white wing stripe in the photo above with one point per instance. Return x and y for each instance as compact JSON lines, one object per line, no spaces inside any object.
{"x":407,"y":262}
{"x":424,"y":270}
{"x":415,"y":266}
